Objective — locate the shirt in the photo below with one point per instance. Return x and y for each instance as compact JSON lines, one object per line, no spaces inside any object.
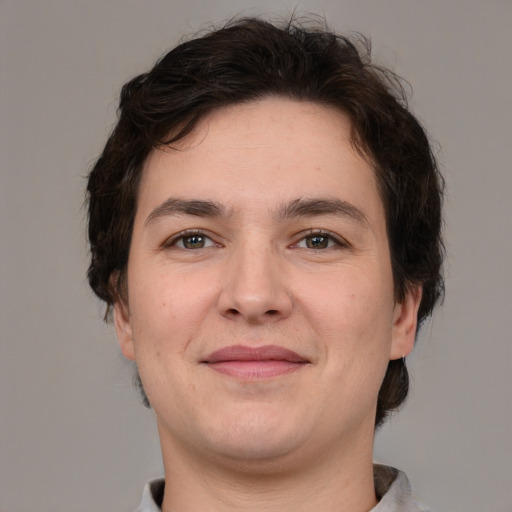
{"x":392,"y":489}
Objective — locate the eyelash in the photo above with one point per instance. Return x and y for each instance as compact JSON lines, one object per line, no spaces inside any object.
{"x":189,"y":233}
{"x":331,"y":238}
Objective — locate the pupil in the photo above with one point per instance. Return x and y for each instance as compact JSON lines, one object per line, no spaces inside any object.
{"x":193,"y":242}
{"x":318,"y":242}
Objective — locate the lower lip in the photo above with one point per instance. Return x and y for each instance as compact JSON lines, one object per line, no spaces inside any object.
{"x":253,"y":370}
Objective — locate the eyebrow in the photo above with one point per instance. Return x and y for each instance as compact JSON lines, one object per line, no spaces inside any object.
{"x":301,"y":207}
{"x":199,"y":208}
{"x":311,"y":207}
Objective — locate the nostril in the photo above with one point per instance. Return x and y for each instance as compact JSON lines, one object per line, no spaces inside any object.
{"x":272,"y":312}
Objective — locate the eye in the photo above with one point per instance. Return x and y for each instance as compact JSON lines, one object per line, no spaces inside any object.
{"x":192,"y":240}
{"x":319,"y":241}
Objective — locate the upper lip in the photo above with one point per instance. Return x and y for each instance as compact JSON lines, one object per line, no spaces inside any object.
{"x":262,"y":353}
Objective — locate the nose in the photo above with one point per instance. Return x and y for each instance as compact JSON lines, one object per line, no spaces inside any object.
{"x":254,"y":288}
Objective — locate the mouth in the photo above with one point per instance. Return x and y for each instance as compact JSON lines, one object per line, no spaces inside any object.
{"x":248,"y":363}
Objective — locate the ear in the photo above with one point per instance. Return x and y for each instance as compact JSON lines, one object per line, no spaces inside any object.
{"x":405,"y":322}
{"x":123,"y":329}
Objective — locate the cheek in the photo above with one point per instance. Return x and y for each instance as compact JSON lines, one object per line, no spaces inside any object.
{"x":167,"y":309}
{"x":352,"y":296}
{"x":354,"y":315}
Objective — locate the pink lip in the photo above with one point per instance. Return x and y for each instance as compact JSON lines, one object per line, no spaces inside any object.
{"x":254,"y":363}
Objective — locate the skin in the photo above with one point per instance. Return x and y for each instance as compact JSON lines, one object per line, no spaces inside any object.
{"x":256,"y":273}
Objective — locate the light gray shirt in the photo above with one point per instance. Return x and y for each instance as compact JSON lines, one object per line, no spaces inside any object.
{"x":392,"y":489}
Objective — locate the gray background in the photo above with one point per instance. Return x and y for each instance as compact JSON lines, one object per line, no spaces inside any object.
{"x":73,"y":436}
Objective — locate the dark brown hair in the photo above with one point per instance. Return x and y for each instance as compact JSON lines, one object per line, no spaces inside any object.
{"x":247,"y":60}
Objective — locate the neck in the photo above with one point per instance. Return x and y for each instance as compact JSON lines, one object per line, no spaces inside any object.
{"x":339,"y":482}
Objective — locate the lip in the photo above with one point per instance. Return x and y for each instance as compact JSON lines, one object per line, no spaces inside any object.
{"x":253,"y":363}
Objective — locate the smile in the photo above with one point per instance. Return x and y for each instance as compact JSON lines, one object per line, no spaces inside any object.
{"x":249,"y":363}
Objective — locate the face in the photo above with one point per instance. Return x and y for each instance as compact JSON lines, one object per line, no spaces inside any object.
{"x":260,"y":306}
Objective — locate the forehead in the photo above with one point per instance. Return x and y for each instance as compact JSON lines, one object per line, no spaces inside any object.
{"x":265,"y":151}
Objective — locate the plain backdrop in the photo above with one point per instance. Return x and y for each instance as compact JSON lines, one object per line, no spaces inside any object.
{"x":73,"y":434}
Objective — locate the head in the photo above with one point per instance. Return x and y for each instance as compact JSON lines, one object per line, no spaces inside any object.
{"x":247,"y":61}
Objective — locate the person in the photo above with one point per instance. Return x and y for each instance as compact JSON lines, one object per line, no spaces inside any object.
{"x":264,"y":224}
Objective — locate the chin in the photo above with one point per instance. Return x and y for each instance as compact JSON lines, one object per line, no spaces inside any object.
{"x":258,"y":440}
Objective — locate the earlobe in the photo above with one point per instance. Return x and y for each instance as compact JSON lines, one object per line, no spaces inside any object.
{"x":123,"y":329}
{"x":405,"y":323}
